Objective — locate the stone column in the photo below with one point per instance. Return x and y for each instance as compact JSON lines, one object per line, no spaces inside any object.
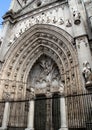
{"x":63,"y":114}
{"x":30,"y":125}
{"x":5,"y":116}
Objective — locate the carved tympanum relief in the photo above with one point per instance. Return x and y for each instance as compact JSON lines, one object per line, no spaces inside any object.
{"x":45,"y":74}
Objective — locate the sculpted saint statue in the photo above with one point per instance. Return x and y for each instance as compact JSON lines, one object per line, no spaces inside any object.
{"x":87,"y":73}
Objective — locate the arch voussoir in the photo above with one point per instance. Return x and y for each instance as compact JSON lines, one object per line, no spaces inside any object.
{"x":37,"y":41}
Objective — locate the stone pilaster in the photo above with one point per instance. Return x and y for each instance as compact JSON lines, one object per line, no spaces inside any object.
{"x":77,"y":17}
{"x":88,"y":6}
{"x":15,"y":5}
{"x":5,"y":32}
{"x":84,"y":53}
{"x":12,"y":4}
{"x":5,"y":116}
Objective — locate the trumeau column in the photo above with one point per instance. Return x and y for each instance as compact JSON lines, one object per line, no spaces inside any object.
{"x":84,"y":54}
{"x":5,"y":116}
{"x":63,"y":114}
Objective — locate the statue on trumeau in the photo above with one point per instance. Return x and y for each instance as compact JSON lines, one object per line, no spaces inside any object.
{"x":87,"y":73}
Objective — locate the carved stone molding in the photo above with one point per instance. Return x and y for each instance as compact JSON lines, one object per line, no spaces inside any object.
{"x":38,"y":41}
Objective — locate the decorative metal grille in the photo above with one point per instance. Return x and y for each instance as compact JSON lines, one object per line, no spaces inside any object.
{"x":1,"y":112}
{"x":79,"y":113}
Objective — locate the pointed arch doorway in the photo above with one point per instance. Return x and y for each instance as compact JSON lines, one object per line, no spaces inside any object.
{"x":36,"y":41}
{"x":45,"y":79}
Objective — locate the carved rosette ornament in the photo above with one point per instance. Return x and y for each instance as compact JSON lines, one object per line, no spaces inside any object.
{"x":87,"y":74}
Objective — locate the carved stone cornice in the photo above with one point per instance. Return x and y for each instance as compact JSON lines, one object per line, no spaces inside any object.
{"x":19,"y":15}
{"x":10,"y":16}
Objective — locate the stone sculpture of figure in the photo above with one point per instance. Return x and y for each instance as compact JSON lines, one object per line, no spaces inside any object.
{"x":61,"y":21}
{"x":61,"y":88}
{"x":68,"y":23}
{"x":76,"y":16}
{"x":87,"y":73}
{"x":32,"y":92}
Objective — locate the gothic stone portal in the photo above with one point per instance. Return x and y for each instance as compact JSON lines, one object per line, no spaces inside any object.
{"x":45,"y":80}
